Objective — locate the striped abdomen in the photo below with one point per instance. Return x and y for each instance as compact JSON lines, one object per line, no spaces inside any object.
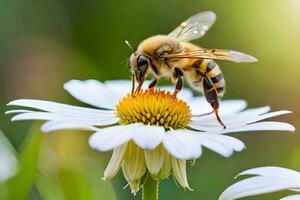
{"x":210,"y":69}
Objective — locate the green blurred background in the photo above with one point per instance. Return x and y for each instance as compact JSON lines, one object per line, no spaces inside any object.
{"x":48,"y":42}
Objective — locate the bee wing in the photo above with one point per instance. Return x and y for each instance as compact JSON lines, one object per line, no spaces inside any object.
{"x":216,"y":54}
{"x":194,"y":27}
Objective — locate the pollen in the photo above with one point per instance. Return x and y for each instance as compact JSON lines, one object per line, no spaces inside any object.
{"x":154,"y":107}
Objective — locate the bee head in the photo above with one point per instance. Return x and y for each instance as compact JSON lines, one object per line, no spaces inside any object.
{"x":139,"y":65}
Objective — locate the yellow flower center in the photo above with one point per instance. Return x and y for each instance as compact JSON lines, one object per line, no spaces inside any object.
{"x":154,"y":107}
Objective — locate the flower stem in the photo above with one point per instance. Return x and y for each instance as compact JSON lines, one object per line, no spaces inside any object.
{"x":150,"y":189}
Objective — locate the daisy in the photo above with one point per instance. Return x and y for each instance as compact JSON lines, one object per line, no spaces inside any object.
{"x":265,"y":180}
{"x":8,"y":160}
{"x":152,"y":134}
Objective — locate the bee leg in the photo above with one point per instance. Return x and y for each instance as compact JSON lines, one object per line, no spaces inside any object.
{"x":152,"y":84}
{"x":133,"y":84}
{"x":139,"y":87}
{"x":216,"y":111}
{"x":201,"y":115}
{"x":211,"y":96}
{"x":178,"y":74}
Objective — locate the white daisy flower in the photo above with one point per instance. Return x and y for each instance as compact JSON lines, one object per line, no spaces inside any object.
{"x":265,"y":180}
{"x":152,"y":133}
{"x":8,"y":160}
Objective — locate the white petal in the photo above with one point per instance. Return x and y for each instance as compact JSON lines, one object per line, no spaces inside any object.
{"x":257,"y":111}
{"x":155,"y":159}
{"x":92,"y":92}
{"x":184,"y":94}
{"x":182,"y":144}
{"x":18,"y":111}
{"x":115,"y":162}
{"x":122,"y":87}
{"x":291,"y":197}
{"x":211,"y":119}
{"x":148,"y":137}
{"x":261,"y":126}
{"x":63,"y":118}
{"x":179,"y":172}
{"x":201,"y":127}
{"x":274,"y":172}
{"x":39,"y":116}
{"x":199,"y":106}
{"x":251,"y":119}
{"x":62,"y":112}
{"x":60,"y":108}
{"x":236,"y":144}
{"x":256,"y":185}
{"x":239,"y":121}
{"x":8,"y":160}
{"x":134,"y":166}
{"x":112,"y":137}
{"x":224,"y":146}
{"x":232,"y":106}
{"x":234,"y":120}
{"x":65,"y":125}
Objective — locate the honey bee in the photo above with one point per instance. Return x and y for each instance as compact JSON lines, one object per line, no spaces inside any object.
{"x":174,"y":56}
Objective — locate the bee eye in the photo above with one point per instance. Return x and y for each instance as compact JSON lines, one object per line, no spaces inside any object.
{"x":142,"y":63}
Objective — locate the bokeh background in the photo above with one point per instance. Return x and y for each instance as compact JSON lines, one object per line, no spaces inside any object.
{"x":44,"y":43}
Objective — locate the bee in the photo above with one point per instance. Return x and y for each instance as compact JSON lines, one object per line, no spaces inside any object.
{"x":174,"y":56}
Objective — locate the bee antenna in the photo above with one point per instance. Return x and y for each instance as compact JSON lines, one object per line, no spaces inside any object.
{"x":129,"y":45}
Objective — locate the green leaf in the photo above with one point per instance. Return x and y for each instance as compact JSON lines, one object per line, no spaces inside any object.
{"x":19,"y":187}
{"x":49,"y":187}
{"x":84,"y":182}
{"x":69,"y":169}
